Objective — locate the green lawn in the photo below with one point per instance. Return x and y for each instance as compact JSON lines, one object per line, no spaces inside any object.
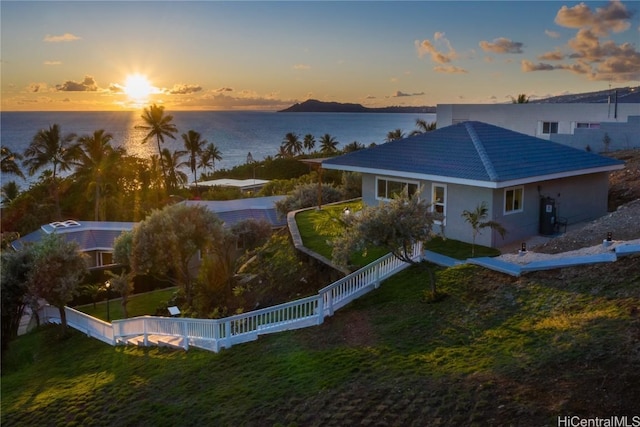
{"x":496,"y":351}
{"x":318,"y":241}
{"x":138,"y":305}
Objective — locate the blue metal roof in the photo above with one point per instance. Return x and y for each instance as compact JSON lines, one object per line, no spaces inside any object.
{"x":234,"y":211}
{"x":474,"y":152}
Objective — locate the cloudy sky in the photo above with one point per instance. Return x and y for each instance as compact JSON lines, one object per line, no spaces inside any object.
{"x":266,"y":55}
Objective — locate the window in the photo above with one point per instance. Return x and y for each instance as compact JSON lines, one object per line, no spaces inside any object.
{"x":513,"y":200}
{"x":105,"y":258}
{"x":584,"y":125}
{"x":439,"y":201}
{"x":549,"y":127}
{"x":387,"y":189}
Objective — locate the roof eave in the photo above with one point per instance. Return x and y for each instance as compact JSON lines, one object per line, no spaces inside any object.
{"x":474,"y":182}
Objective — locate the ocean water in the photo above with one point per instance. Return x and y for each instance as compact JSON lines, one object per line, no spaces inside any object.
{"x":235,"y":133}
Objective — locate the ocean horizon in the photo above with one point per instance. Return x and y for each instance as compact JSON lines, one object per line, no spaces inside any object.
{"x":235,"y":133}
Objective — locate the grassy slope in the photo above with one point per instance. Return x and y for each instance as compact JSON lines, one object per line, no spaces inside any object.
{"x":138,"y":305}
{"x":497,"y":350}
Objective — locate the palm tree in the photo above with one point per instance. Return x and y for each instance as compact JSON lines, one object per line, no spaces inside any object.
{"x":158,"y":126}
{"x":194,"y":146}
{"x":353,"y":146}
{"x":209,"y":155}
{"x":292,"y":144}
{"x":49,"y":146}
{"x":171,"y":162}
{"x":10,"y":191}
{"x":477,"y":219}
{"x":282,"y":153}
{"x":9,"y":164}
{"x":309,"y":142}
{"x":521,"y":99}
{"x":422,"y":127}
{"x":328,"y":144}
{"x":394,"y":135}
{"x":97,"y":159}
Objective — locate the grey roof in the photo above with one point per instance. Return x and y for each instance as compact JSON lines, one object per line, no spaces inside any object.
{"x":90,"y":235}
{"x":234,"y":211}
{"x":474,"y":153}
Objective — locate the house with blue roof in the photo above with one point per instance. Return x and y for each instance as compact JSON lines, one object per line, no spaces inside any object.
{"x":530,"y":185}
{"x":96,"y":238}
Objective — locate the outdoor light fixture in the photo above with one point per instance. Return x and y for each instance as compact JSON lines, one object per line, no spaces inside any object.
{"x":107,"y":285}
{"x":609,"y":236}
{"x":346,"y":211}
{"x":524,"y":247}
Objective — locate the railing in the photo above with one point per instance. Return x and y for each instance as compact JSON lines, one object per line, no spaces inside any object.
{"x":91,"y":326}
{"x":214,"y":334}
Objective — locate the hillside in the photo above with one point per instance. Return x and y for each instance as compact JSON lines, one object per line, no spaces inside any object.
{"x":315,"y":106}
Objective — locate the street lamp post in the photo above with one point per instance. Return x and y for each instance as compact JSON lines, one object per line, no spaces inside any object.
{"x":107,"y":285}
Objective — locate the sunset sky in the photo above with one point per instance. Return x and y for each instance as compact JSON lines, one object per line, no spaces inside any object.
{"x":215,"y":55}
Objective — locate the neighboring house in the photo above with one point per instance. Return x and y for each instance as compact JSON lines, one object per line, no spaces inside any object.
{"x":462,"y":165}
{"x":95,"y":238}
{"x":578,"y":125}
{"x":244,"y":185}
{"x":234,"y":211}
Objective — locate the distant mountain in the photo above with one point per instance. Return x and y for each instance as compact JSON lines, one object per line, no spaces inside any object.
{"x":315,"y":106}
{"x":625,"y":95}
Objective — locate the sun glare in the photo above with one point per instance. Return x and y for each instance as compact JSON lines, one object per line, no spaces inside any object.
{"x":137,"y":87}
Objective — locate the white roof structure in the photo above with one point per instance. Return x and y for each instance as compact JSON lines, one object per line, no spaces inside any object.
{"x":242,"y":184}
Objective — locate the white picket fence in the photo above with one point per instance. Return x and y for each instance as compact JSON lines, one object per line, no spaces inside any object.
{"x":215,"y":334}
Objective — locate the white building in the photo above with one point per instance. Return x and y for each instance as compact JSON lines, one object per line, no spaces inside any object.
{"x":579,"y":125}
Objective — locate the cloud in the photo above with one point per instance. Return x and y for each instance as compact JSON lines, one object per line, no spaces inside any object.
{"x":66,"y":37}
{"x":528,"y":66}
{"x":501,"y":45}
{"x":301,"y":67}
{"x":183,"y":89}
{"x":37,"y":87}
{"x":556,"y":55}
{"x":400,"y":94}
{"x":552,"y":34}
{"x":87,"y":85}
{"x":450,"y":69}
{"x":613,"y":17}
{"x":426,"y":47}
{"x":589,"y":52}
{"x":52,"y":62}
{"x":224,"y":89}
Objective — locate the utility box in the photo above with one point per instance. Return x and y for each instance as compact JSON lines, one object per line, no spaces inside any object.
{"x":547,"y":216}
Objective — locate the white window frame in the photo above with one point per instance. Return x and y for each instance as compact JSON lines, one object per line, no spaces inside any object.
{"x":435,"y":203}
{"x":513,"y":210}
{"x":404,"y":183}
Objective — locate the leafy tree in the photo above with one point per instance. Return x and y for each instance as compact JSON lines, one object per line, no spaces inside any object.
{"x":292,"y":144}
{"x":8,"y":162}
{"x":309,"y":142}
{"x":194,"y":145}
{"x":422,"y":127}
{"x":395,"y":226}
{"x":158,"y":126}
{"x":15,"y":268}
{"x":306,"y":195}
{"x":213,"y":290}
{"x":165,"y":244}
{"x":123,"y":284}
{"x":10,"y":191}
{"x":394,"y":135}
{"x":172,"y":162}
{"x":251,"y":233}
{"x":93,"y":291}
{"x":56,"y":273}
{"x":97,"y":161}
{"x":353,"y":146}
{"x":210,"y":154}
{"x":328,"y":144}
{"x":522,"y":98}
{"x":477,"y":219}
{"x":50,"y":147}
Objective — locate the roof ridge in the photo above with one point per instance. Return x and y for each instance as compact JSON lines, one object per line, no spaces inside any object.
{"x":484,"y":157}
